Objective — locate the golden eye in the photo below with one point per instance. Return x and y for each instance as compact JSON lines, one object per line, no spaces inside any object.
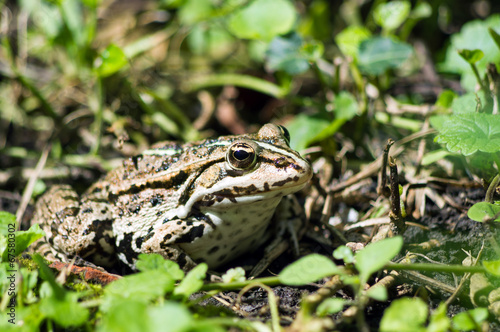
{"x":241,"y":156}
{"x":285,"y":133}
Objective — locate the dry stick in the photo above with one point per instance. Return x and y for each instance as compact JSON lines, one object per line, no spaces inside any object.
{"x":28,"y":190}
{"x":382,"y":175}
{"x":398,"y":225}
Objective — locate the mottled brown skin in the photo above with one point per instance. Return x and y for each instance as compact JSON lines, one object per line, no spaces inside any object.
{"x":206,"y":201}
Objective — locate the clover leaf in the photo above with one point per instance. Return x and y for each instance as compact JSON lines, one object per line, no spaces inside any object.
{"x":471,"y":132}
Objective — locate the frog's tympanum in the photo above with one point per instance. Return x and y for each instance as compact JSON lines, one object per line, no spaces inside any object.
{"x":208,"y":201}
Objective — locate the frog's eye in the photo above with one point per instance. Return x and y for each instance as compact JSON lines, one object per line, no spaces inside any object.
{"x":241,"y":156}
{"x":285,"y":133}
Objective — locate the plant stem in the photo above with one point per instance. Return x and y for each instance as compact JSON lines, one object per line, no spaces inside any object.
{"x":459,"y":269}
{"x":491,"y":189}
{"x":243,"y":81}
{"x":478,"y":78}
{"x":269,"y":281}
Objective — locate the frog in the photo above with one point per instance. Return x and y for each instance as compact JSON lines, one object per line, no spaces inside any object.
{"x":208,"y":201}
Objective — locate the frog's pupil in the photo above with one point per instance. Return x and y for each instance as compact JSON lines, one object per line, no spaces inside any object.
{"x":241,"y":154}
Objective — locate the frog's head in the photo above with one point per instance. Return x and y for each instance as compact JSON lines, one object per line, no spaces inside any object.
{"x":252,"y":168}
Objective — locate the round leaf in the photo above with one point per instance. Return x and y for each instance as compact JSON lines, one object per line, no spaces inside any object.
{"x":471,"y":132}
{"x":112,"y":59}
{"x":376,"y":255}
{"x":469,"y":320}
{"x":378,"y":54}
{"x":263,"y":19}
{"x":480,"y":210}
{"x":471,"y":56}
{"x":392,"y":14}
{"x":330,"y":306}
{"x":308,"y":269}
{"x":406,"y":314}
{"x":350,"y":38}
{"x":492,"y":267}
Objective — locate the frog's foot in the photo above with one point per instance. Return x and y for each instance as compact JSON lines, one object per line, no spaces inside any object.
{"x":73,"y":228}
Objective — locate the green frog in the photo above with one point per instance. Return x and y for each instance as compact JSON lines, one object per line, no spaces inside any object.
{"x":207,"y":201}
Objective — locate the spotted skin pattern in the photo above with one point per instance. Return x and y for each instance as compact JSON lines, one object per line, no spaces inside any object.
{"x":208,"y":201}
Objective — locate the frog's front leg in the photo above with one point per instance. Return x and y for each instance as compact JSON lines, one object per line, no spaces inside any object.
{"x":162,"y":238}
{"x":74,"y":227}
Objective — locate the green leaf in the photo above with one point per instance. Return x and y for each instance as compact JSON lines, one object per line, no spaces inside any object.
{"x":391,"y":15}
{"x":192,"y":282}
{"x":471,"y":132}
{"x":433,"y":156}
{"x":468,"y":103}
{"x":473,"y":35}
{"x":439,"y":321}
{"x":236,"y":274}
{"x":378,"y":293}
{"x":71,"y":11}
{"x":376,"y":255}
{"x":445,"y":100}
{"x":349,"y":39}
{"x":345,"y":106}
{"x":479,"y":211}
{"x":495,"y":36}
{"x":284,"y":53}
{"x":194,"y":11}
{"x":421,"y":10}
{"x":471,"y":56}
{"x":304,"y":129}
{"x":344,"y":253}
{"x":127,"y":316}
{"x":65,"y":311}
{"x":7,"y":223}
{"x":378,"y":54}
{"x":493,"y":267}
{"x":263,"y":19}
{"x":112,"y":59}
{"x":308,"y":269}
{"x":470,"y":320}
{"x":25,"y":238}
{"x":139,"y":287}
{"x":151,"y":262}
{"x":330,"y":306}
{"x":404,"y":315}
{"x":170,"y":314}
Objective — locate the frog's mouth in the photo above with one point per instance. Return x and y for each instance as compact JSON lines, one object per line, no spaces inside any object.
{"x":252,"y":193}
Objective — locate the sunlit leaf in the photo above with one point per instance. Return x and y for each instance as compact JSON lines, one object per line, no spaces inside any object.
{"x":308,"y":269}
{"x":473,"y":35}
{"x":471,"y":132}
{"x":284,"y":53}
{"x":405,"y":314}
{"x":19,"y":241}
{"x":376,"y":255}
{"x":349,"y":39}
{"x":378,"y":293}
{"x":391,"y":15}
{"x":479,"y":211}
{"x":471,"y":56}
{"x":263,"y":19}
{"x":192,"y":282}
{"x":378,"y":54}
{"x":492,"y":267}
{"x":112,"y":59}
{"x":150,"y":262}
{"x":439,"y":321}
{"x":470,"y":320}
{"x":330,"y":306}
